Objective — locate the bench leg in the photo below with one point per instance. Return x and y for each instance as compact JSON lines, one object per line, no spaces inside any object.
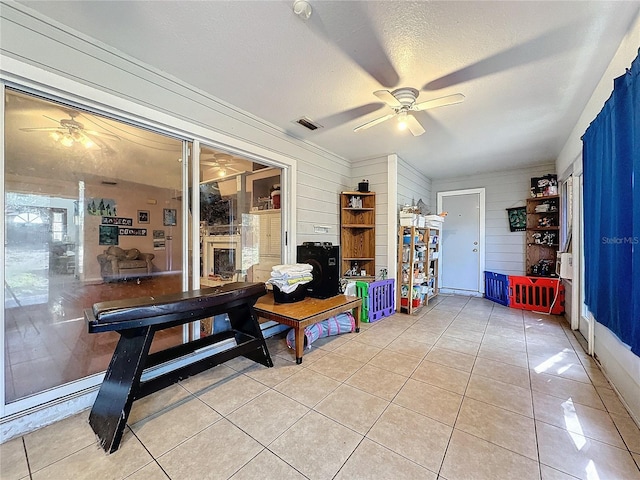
{"x":119,"y":388}
{"x":244,"y":319}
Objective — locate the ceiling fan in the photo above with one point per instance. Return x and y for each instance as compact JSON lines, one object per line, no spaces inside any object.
{"x":69,"y":132}
{"x":403,"y":103}
{"x":222,"y":162}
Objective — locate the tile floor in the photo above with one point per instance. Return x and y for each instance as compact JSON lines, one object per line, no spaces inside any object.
{"x":466,"y":390}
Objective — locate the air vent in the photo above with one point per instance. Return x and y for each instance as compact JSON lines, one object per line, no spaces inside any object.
{"x":106,"y":182}
{"x":305,"y":122}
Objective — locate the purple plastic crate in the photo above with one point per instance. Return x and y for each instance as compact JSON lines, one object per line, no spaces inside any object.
{"x":382,"y":300}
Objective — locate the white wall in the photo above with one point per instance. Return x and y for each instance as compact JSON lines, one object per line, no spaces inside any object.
{"x":504,"y":250}
{"x":620,"y":365}
{"x":376,"y":171}
{"x":413,"y":186}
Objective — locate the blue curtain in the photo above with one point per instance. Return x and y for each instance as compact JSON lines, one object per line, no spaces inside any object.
{"x":611,"y":162}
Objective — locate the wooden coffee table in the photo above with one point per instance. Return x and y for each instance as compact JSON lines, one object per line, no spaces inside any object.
{"x":306,"y":312}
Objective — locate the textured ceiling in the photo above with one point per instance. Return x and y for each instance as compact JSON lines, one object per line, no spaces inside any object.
{"x":526,"y":68}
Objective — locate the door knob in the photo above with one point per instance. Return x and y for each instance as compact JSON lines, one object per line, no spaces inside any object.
{"x":475,"y":243}
{"x":475,"y":249}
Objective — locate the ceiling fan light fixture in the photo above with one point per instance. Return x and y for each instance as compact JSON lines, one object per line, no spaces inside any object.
{"x":302,"y":8}
{"x":402,"y":121}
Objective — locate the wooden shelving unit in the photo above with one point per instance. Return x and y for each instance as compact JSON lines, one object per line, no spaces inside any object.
{"x":358,"y":235}
{"x":543,"y":235}
{"x":417,"y":267}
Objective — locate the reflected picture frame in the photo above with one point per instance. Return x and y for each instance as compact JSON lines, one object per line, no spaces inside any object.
{"x":143,"y":216}
{"x":169,"y":217}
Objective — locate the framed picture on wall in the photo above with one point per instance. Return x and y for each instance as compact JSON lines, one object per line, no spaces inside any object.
{"x":108,"y":235}
{"x":169,"y":216}
{"x":517,"y":219}
{"x":143,"y":216}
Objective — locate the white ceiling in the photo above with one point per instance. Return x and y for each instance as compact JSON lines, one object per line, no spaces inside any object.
{"x":526,"y":68}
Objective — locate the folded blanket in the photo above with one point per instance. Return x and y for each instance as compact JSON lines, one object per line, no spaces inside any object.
{"x":291,"y":269}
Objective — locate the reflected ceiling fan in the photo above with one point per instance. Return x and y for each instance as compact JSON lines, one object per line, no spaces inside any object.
{"x":403,"y":103}
{"x":70,"y":132}
{"x":222,"y":162}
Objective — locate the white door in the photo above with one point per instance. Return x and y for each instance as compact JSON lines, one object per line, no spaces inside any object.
{"x":462,"y":241}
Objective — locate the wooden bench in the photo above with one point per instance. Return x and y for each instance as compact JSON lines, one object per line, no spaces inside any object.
{"x":137,"y":320}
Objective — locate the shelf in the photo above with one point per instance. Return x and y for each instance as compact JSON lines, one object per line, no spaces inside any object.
{"x":358,"y":234}
{"x":358,"y":225}
{"x":532,"y":229}
{"x":358,"y":209}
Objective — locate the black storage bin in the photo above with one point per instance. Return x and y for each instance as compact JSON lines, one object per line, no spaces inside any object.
{"x":298,"y":294}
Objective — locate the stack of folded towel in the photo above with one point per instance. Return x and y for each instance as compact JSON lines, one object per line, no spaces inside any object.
{"x":288,"y":277}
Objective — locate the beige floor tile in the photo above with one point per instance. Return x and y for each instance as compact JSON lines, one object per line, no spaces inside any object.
{"x":461,"y":330}
{"x":54,"y":442}
{"x":371,"y":461}
{"x":410,"y":348}
{"x":168,"y":428}
{"x":271,"y":376}
{"x":449,"y":358}
{"x":583,"y":457}
{"x":412,"y":435}
{"x":564,"y":388}
{"x":513,"y":332}
{"x":152,"y":404}
{"x":576,"y":418}
{"x":457,"y":344}
{"x":240,"y":364}
{"x":504,"y":428}
{"x":361,"y":352}
{"x":417,"y":333}
{"x":470,"y":457}
{"x":498,"y":342}
{"x":208,"y":379}
{"x":500,"y":394}
{"x":629,"y":431}
{"x":442,"y":376}
{"x":267,"y":416}
{"x":13,"y":460}
{"x":307,"y":387}
{"x":562,"y":364}
{"x":336,"y":366}
{"x":208,"y":455}
{"x":502,"y":371}
{"x":597,"y":377}
{"x":232,"y":393}
{"x":395,"y":362}
{"x":434,"y":402}
{"x":377,"y":337}
{"x":310,"y":355}
{"x":636,"y":457}
{"x":92,"y":462}
{"x":377,"y":381}
{"x":504,"y":355}
{"x":151,"y":471}
{"x":549,"y":473}
{"x":267,"y":466}
{"x":307,"y":447}
{"x":611,"y":401}
{"x":352,"y":408}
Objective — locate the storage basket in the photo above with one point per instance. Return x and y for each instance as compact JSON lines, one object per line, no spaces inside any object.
{"x":298,"y":294}
{"x":544,"y":295}
{"x":496,"y":287}
{"x":378,"y":299}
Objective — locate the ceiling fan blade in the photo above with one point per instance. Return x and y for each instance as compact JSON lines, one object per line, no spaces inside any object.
{"x":43,"y":129}
{"x":387,"y":97}
{"x":101,"y":134}
{"x":373,"y":122}
{"x":439,"y":102}
{"x":414,"y":125}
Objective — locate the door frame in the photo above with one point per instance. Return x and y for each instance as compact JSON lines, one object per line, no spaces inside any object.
{"x":481,"y":221}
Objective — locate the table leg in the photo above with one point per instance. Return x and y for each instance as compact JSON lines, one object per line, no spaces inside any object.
{"x":299,"y":331}
{"x":357,"y":317}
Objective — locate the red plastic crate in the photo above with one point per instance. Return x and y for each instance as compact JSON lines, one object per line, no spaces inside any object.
{"x":538,"y":294}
